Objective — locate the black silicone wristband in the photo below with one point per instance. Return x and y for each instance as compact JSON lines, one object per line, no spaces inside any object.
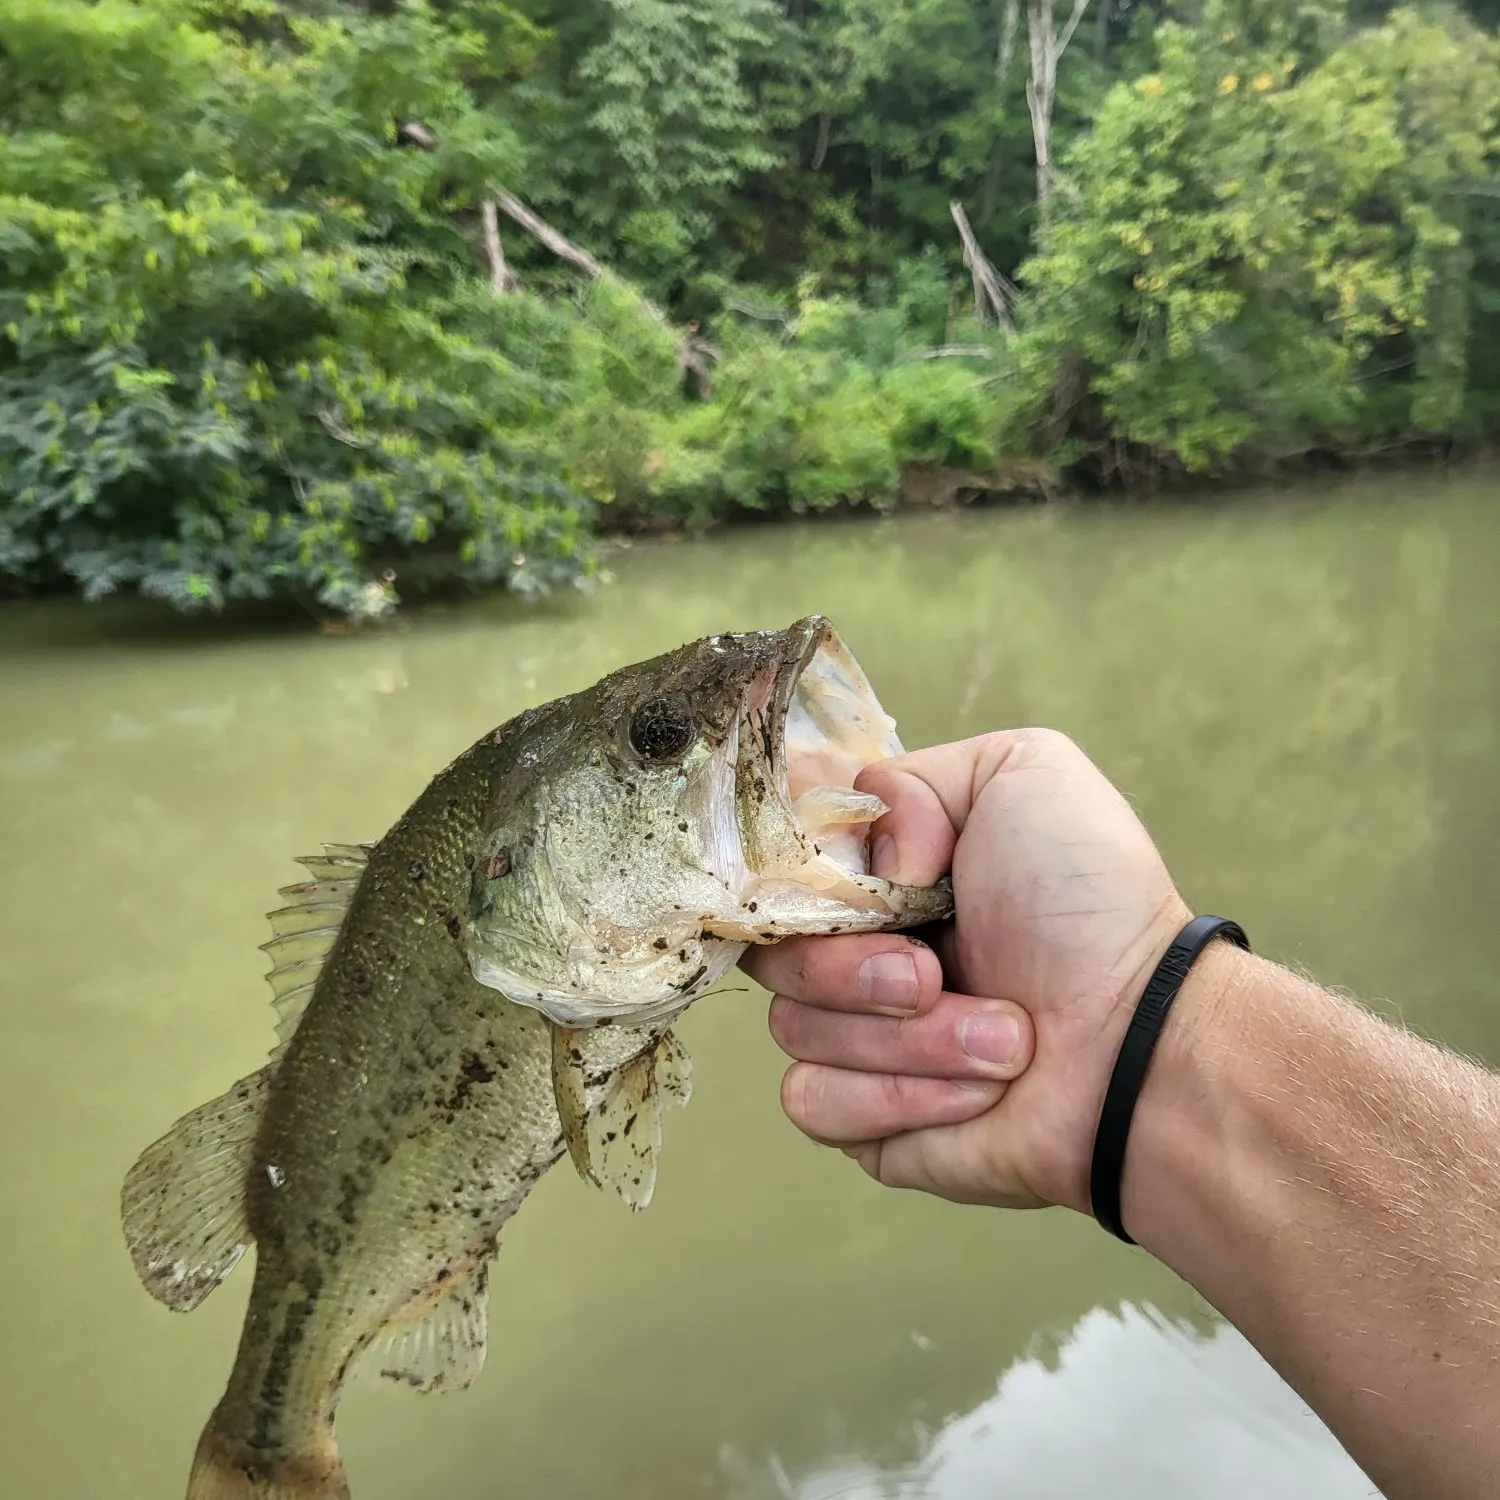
{"x":1125,"y":1082}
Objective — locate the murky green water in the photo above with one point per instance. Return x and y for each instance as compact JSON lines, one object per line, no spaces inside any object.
{"x":1299,"y":691}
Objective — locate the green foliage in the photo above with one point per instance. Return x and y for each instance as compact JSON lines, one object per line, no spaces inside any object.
{"x":822,"y":412}
{"x":249,"y":343}
{"x":1257,"y":248}
{"x":235,"y":358}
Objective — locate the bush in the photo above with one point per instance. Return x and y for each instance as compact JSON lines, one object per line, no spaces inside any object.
{"x":824,"y":412}
{"x":237,"y":358}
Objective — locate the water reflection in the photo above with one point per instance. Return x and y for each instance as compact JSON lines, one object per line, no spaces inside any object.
{"x":1130,"y":1403}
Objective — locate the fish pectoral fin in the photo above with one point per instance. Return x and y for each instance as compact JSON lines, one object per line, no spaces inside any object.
{"x":440,"y":1345}
{"x":183,"y":1202}
{"x":571,"y":1095}
{"x":674,"y":1071}
{"x":624,"y":1132}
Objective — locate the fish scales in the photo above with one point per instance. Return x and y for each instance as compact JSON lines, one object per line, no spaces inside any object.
{"x":495,"y":982}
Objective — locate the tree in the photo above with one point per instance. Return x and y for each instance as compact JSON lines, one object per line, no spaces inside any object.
{"x":260,"y":333}
{"x":1259,"y":261}
{"x":1047,"y":45}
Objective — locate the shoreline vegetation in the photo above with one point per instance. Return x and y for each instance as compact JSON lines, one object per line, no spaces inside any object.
{"x":309,"y":300}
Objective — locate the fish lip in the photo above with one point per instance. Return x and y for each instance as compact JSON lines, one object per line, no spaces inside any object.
{"x":762,"y":750}
{"x":802,"y":642}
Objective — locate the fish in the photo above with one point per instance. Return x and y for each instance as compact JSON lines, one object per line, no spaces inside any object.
{"x":489,"y":987}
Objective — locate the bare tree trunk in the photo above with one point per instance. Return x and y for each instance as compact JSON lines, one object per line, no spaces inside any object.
{"x":1006,"y":51}
{"x":1047,"y":46}
{"x":502,"y":278}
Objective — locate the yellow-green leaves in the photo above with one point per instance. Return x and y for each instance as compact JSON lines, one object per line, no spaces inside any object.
{"x":1250,"y":240}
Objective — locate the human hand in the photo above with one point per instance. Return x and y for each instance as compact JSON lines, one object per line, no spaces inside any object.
{"x":1062,"y":909}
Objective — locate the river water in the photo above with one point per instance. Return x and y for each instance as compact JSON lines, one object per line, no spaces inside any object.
{"x":1298,"y":689}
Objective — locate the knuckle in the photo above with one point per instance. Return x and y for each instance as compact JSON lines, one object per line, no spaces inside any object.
{"x":780,"y":1018}
{"x":903,"y":1092}
{"x":1049,"y":740}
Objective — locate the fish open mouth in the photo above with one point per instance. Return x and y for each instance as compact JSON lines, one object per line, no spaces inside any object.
{"x":831,"y":727}
{"x":808,"y":728}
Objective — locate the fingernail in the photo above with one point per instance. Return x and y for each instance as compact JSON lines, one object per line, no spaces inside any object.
{"x":991,"y":1036}
{"x":883,"y":856}
{"x":888,"y":980}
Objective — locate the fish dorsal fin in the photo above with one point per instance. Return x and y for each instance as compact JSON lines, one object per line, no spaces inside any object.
{"x":617,"y":1143}
{"x":306,"y":927}
{"x":183,"y":1203}
{"x":440,"y":1345}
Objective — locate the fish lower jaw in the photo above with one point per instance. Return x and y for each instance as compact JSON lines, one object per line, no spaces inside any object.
{"x":647,"y":991}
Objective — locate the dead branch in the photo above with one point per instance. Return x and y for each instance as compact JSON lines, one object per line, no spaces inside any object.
{"x":693,"y":354}
{"x":564,"y":248}
{"x":334,"y":430}
{"x":750,"y":310}
{"x":959,"y":351}
{"x":415,"y":133}
{"x":698,"y":355}
{"x":1079,"y":6}
{"x":502,"y":278}
{"x":529,"y":220}
{"x":820,"y":149}
{"x":536,"y":226}
{"x":991,"y":290}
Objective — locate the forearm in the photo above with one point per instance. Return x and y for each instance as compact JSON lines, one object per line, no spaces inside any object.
{"x":1332,"y":1185}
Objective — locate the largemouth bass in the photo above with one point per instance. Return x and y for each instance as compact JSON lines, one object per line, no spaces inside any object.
{"x":489,"y":986}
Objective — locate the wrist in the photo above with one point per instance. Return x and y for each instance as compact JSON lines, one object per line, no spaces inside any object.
{"x":1133,"y":1063}
{"x":1188,"y":1131}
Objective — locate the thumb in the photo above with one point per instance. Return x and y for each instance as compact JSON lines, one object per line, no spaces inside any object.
{"x":931,"y":793}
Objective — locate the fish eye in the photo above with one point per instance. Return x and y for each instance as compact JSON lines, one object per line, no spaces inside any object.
{"x":662,"y":728}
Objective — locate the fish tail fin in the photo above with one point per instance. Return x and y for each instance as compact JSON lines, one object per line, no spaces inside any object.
{"x":224,"y":1469}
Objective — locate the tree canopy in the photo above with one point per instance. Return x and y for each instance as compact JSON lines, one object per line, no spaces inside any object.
{"x":304,"y":298}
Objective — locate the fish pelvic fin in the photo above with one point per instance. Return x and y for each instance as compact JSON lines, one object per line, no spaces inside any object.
{"x":226,"y":1470}
{"x":674,"y":1071}
{"x":183,"y":1202}
{"x":624,"y":1132}
{"x":616,"y":1144}
{"x":439,"y":1344}
{"x":571,"y":1096}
